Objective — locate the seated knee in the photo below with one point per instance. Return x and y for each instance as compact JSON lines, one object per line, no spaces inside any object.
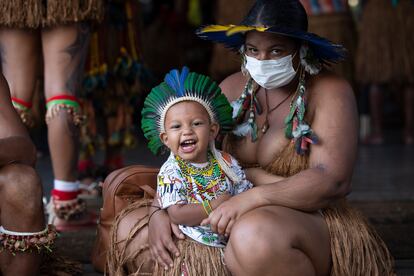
{"x":21,"y":187}
{"x":256,"y":233}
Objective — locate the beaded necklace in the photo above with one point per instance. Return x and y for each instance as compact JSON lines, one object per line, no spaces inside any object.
{"x":296,"y":128}
{"x":202,"y":183}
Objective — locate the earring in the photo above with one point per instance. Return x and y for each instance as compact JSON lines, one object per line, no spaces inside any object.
{"x":310,"y":63}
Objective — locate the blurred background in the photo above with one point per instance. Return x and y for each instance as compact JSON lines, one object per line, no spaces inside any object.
{"x":139,"y":41}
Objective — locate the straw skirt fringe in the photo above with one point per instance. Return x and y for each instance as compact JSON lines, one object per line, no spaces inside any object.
{"x":195,"y":258}
{"x":225,"y":62}
{"x":340,"y":29}
{"x":356,"y":248}
{"x":45,"y":13}
{"x":385,"y":49}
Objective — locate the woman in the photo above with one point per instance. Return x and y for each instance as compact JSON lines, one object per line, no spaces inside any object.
{"x":297,"y":137}
{"x":61,"y":31}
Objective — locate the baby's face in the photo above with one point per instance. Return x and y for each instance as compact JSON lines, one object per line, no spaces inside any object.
{"x":188,"y":131}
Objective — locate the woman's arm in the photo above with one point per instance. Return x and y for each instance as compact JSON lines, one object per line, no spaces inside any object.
{"x":192,"y":214}
{"x":331,"y":161}
{"x":330,"y":165}
{"x":258,"y":176}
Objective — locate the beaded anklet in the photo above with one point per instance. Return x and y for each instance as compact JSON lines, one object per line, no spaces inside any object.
{"x":66,"y":209}
{"x":24,"y":110}
{"x":17,"y":242}
{"x":67,"y":102}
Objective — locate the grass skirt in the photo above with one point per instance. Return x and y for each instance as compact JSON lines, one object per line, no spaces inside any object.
{"x":41,"y":13}
{"x":338,"y":28}
{"x":195,"y":258}
{"x":385,"y":50}
{"x":225,"y":62}
{"x":356,"y":248}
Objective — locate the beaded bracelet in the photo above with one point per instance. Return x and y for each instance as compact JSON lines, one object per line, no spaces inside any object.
{"x":207,"y":207}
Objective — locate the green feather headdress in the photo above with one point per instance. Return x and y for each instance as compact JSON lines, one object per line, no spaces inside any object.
{"x":178,"y":87}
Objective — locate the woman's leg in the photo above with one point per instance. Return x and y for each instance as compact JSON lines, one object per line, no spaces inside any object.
{"x":64,"y":51}
{"x":279,"y":241}
{"x":21,"y":210}
{"x":20,"y":55}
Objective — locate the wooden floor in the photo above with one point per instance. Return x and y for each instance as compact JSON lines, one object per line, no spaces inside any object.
{"x":383,"y":189}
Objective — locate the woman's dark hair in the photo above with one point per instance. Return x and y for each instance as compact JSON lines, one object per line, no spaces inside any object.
{"x":281,"y":13}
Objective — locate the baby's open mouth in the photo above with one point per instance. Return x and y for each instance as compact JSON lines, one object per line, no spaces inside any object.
{"x":188,"y":145}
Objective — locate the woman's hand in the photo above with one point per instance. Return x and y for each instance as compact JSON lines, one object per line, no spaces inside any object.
{"x":222,"y":219}
{"x":160,"y":238}
{"x":219,"y":200}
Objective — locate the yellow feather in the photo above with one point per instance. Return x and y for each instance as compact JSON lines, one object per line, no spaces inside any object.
{"x":239,"y":29}
{"x":216,"y":28}
{"x":261,"y":29}
{"x":243,"y":29}
{"x":231,"y":29}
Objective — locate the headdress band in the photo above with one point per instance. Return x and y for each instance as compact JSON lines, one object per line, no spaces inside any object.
{"x":205,"y":104}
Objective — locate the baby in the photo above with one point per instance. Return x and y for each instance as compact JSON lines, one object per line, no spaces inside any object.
{"x":197,"y":177}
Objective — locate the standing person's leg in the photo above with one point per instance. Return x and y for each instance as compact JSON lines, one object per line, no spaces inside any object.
{"x":376,"y":105}
{"x":64,"y":51}
{"x":409,"y":115}
{"x":20,"y":54}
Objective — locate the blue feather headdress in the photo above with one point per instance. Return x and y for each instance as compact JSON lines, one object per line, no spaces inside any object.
{"x":283,"y":17}
{"x":178,"y":87}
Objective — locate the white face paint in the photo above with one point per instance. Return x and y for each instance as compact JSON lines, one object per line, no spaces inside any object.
{"x":271,"y":73}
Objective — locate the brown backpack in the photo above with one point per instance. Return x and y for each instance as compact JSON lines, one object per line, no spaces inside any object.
{"x":120,"y":188}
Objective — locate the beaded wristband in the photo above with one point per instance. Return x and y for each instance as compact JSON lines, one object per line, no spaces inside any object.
{"x":207,"y":207}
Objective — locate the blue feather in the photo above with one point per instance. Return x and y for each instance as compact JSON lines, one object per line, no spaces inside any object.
{"x":175,"y":80}
{"x":172,"y":80}
{"x":184,"y":73}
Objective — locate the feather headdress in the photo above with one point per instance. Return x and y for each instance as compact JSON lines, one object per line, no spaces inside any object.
{"x":178,"y":87}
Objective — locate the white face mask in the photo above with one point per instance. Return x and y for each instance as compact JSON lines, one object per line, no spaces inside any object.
{"x":271,"y":73}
